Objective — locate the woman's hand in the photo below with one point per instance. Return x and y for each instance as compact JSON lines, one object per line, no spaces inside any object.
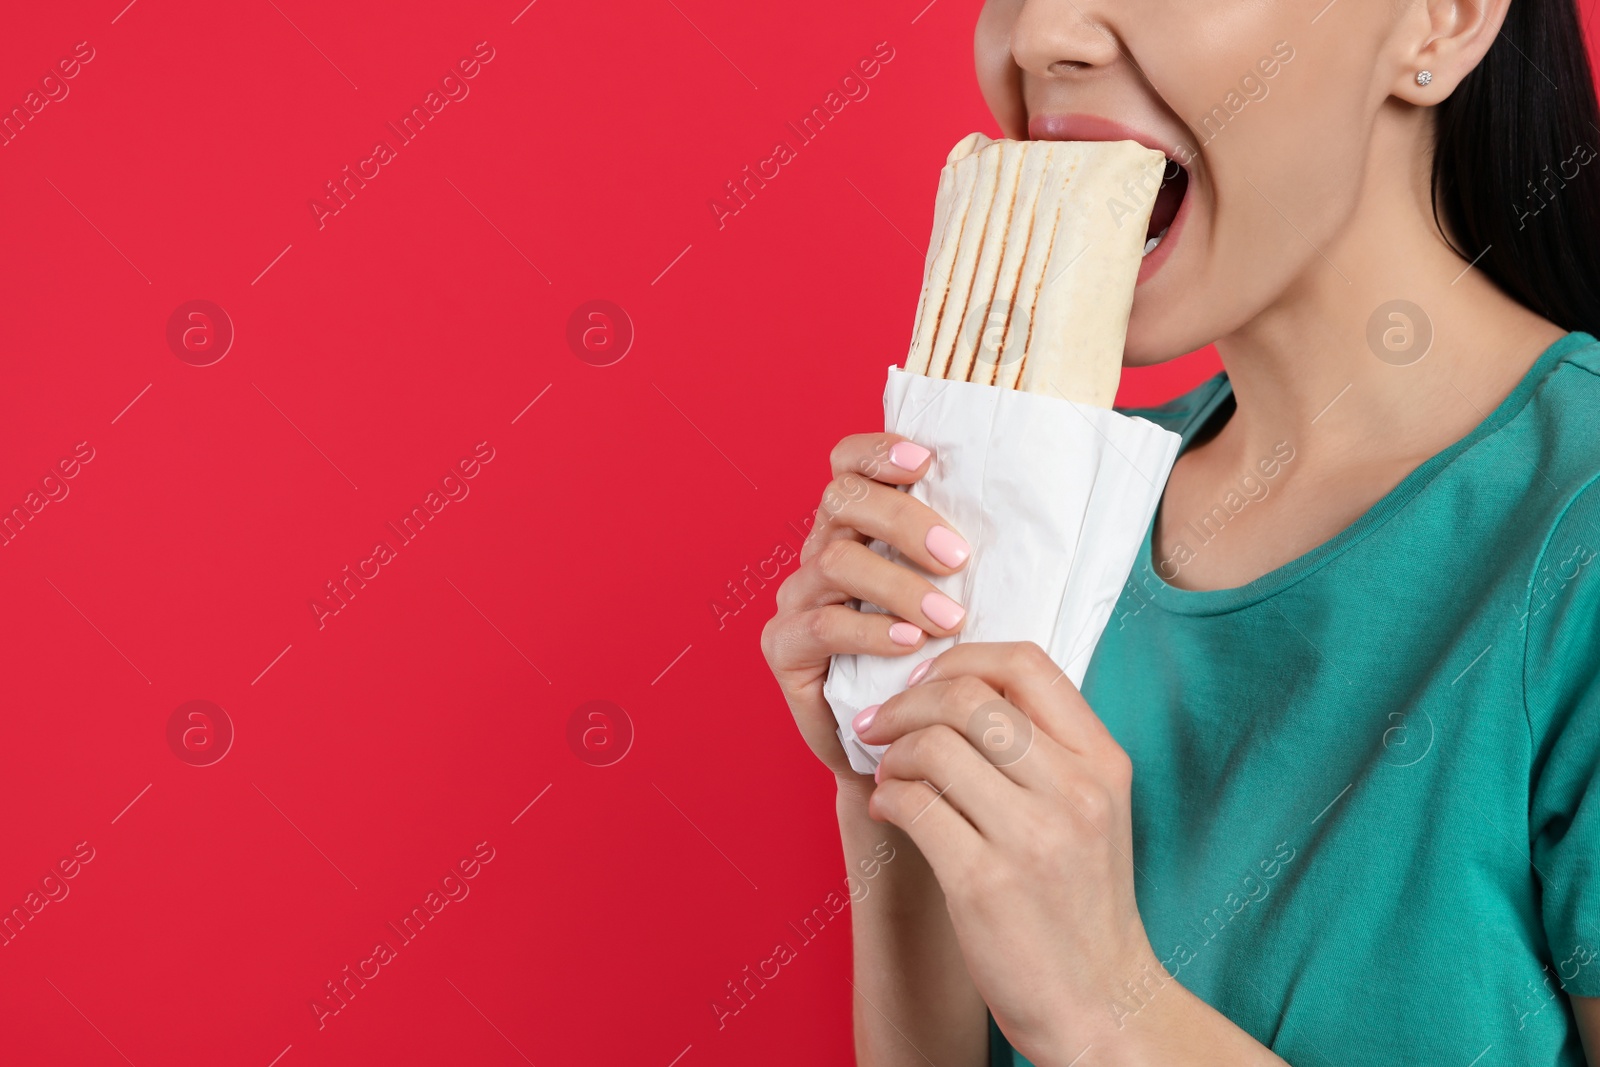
{"x":1019,"y":798}
{"x":814,"y":619}
{"x":913,"y":998}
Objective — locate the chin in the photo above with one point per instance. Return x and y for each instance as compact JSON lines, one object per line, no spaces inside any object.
{"x":1152,"y":340}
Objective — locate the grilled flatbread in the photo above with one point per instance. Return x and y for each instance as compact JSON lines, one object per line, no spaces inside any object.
{"x":1030,"y":272}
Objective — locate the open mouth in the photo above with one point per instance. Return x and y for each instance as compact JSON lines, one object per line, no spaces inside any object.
{"x":1174,"y":183}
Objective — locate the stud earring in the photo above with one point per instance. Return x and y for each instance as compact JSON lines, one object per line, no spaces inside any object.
{"x":1424,"y":77}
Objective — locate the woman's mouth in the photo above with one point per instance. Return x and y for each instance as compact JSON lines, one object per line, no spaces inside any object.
{"x":1174,"y":183}
{"x":1167,"y":217}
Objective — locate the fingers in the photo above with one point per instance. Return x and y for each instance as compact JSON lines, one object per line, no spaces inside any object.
{"x":996,"y":730}
{"x":946,"y":840}
{"x":1024,"y":675}
{"x":941,"y":757}
{"x":898,"y":519}
{"x":861,"y":503}
{"x":884,"y":457}
{"x":846,"y":570}
{"x":856,"y":461}
{"x":858,"y":509}
{"x":797,"y":639}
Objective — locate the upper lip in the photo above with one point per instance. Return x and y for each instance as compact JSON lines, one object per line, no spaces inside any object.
{"x":1076,"y":127}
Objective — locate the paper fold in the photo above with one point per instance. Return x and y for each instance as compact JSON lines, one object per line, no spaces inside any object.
{"x":1054,"y":497}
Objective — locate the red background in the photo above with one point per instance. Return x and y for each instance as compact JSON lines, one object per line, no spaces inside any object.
{"x":372,"y":353}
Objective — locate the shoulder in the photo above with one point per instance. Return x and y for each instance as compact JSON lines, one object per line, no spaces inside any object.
{"x":1583,"y":352}
{"x":1556,"y":435}
{"x":1181,"y":412}
{"x":1562,"y":411}
{"x":1530,"y":470}
{"x":1547,"y":452}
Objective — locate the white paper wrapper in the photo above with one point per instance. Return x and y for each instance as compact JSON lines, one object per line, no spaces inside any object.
{"x":1054,"y":498}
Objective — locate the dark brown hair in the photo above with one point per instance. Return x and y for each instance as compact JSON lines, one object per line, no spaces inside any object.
{"x":1516,"y":171}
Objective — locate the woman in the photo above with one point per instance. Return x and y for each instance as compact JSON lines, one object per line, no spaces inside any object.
{"x":1329,"y":792}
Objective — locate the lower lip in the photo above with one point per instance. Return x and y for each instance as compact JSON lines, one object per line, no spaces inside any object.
{"x":1163,"y":252}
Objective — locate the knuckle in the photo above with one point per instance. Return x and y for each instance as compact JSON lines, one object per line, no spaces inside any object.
{"x":816,"y":539}
{"x":852,"y":634}
{"x":859,"y":452}
{"x":831,"y":560}
{"x":1039,"y":850}
{"x":778,"y":641}
{"x":788,"y":594}
{"x":839,"y":456}
{"x":872,"y":465}
{"x":1028,"y":656}
{"x":1118,"y":767}
{"x":1092,"y":800}
{"x":815,"y":626}
{"x":907,"y":752}
{"x":841,"y":491}
{"x":932,"y":744}
{"x":967,"y":692}
{"x":855,"y":487}
{"x":769,"y":638}
{"x":887,"y":797}
{"x":944,"y":740}
{"x":904,"y":511}
{"x":867,"y":632}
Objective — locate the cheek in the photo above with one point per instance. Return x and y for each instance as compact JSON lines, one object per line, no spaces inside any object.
{"x":1286,"y":171}
{"x":1278,"y":175}
{"x":996,"y":73}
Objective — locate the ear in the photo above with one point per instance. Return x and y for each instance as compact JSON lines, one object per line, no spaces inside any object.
{"x":1447,"y":38}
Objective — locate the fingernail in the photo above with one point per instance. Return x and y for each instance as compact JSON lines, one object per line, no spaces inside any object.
{"x":903,"y":633}
{"x":947,"y":546}
{"x":877,"y":772}
{"x":942,"y":610}
{"x":906,"y":455}
{"x":916,"y":675}
{"x":864,"y":720}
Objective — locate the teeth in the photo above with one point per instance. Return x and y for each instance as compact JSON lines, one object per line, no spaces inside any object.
{"x":1150,"y":245}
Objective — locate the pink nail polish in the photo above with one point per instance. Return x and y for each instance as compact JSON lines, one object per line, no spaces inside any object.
{"x":903,"y":633}
{"x":942,"y":610}
{"x":947,"y":546}
{"x":907,"y":456}
{"x":864,"y":719}
{"x":922,"y":669}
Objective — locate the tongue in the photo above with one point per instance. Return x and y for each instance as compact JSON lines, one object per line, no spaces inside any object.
{"x":1168,"y":200}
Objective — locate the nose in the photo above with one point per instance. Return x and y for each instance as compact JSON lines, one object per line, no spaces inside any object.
{"x":1061,"y":38}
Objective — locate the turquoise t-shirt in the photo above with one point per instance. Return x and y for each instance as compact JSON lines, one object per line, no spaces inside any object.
{"x":1366,"y":811}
